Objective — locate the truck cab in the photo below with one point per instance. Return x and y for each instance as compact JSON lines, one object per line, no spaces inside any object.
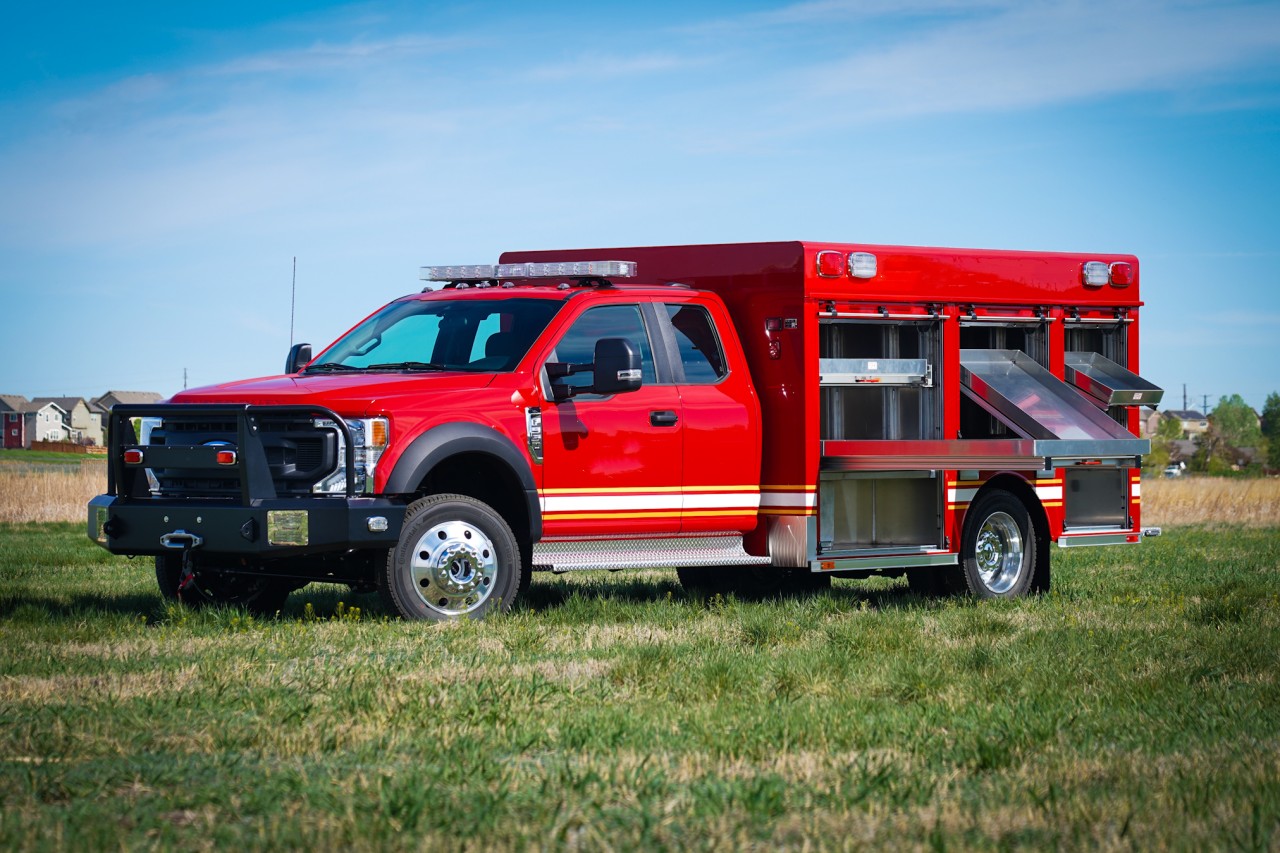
{"x":429,"y":449}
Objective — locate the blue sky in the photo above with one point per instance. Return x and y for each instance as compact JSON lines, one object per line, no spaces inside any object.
{"x":161,"y":168}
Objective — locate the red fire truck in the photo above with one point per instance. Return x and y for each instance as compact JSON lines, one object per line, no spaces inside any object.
{"x":756,"y":415}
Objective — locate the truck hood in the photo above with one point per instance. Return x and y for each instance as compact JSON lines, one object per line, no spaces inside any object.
{"x":350,"y":395}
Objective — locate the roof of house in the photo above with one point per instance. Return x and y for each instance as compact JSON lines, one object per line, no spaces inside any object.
{"x":65,"y":403}
{"x":1184,"y":414}
{"x":12,"y":402}
{"x":39,"y":403}
{"x":110,"y":398}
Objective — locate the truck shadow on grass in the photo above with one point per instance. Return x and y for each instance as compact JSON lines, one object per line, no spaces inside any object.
{"x":36,"y":608}
{"x":547,"y":595}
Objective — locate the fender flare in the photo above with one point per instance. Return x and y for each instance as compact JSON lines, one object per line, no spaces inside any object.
{"x":439,"y":443}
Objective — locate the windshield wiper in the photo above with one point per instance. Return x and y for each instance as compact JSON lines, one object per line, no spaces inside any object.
{"x":330,"y":366}
{"x":407,"y":365}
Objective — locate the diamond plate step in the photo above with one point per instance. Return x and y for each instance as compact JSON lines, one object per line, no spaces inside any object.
{"x":643,"y":554}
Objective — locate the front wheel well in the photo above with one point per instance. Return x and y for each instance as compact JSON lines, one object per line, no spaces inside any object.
{"x":486,"y":478}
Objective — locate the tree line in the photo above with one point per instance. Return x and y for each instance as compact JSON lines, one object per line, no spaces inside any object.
{"x":1233,"y":429}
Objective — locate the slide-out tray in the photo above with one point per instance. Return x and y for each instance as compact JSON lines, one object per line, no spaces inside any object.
{"x":1109,"y":384}
{"x":1035,"y":403}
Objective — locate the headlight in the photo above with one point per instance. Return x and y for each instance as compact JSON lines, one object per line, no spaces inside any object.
{"x":368,"y":439}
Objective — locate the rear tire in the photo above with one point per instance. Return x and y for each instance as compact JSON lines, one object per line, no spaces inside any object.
{"x":456,"y":558}
{"x":209,"y":587}
{"x":998,"y":550}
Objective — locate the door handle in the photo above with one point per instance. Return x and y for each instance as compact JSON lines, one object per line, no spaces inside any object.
{"x":663,"y":419}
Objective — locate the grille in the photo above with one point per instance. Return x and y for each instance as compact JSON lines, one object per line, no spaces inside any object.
{"x":299,"y":454}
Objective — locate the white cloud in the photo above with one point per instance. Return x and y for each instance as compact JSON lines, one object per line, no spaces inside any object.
{"x":1039,"y":53}
{"x":605,"y":65}
{"x":329,"y":57}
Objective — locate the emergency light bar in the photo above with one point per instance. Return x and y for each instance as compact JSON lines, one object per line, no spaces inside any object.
{"x":460,"y":272}
{"x":570,"y":269}
{"x":554,"y":269}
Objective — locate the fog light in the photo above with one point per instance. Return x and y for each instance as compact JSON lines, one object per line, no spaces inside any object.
{"x":377,"y":524}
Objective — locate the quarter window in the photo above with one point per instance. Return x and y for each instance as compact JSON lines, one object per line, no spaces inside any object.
{"x":701,"y":355}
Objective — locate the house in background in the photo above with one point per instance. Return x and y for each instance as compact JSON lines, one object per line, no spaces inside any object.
{"x":1193,"y":423}
{"x":1150,"y":420}
{"x":61,"y":418}
{"x":11,"y":406}
{"x":26,"y":421}
{"x":84,"y":425}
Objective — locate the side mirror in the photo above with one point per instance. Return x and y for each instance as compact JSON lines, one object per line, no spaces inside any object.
{"x":617,"y":367}
{"x":298,"y":358}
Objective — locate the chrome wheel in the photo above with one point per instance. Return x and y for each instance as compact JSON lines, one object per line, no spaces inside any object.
{"x":998,"y":552}
{"x":454,"y":567}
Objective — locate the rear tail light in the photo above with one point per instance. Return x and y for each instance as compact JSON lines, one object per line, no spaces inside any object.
{"x":830,"y":264}
{"x":133,"y":457}
{"x":1121,"y":274}
{"x":226,"y":457}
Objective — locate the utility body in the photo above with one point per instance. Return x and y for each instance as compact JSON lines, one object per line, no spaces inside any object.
{"x":758,"y":416}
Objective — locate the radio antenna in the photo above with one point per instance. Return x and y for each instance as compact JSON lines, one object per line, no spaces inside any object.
{"x":293,"y":299}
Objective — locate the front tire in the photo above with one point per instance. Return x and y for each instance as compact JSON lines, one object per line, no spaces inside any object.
{"x":456,"y":558}
{"x":208,"y":587}
{"x":998,"y":551}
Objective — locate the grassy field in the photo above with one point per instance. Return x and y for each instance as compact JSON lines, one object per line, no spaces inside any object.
{"x":1137,"y":706}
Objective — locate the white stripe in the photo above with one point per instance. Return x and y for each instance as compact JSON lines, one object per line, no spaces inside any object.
{"x":789,"y":499}
{"x":960,"y":496}
{"x":1049,"y":493}
{"x":668,"y":501}
{"x":1135,"y":490}
{"x":572,"y":503}
{"x":745,"y":500}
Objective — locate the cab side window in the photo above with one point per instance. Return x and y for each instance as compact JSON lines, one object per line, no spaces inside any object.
{"x":607,"y":321}
{"x":700,"y":352}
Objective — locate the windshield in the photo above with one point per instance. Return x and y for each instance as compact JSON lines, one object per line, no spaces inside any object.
{"x":489,"y":336}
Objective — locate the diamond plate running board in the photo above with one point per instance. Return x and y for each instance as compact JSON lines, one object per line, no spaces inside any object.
{"x":642,"y":554}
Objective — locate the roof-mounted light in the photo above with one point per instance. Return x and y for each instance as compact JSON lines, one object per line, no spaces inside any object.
{"x":569,"y":269}
{"x":459,"y":272}
{"x":862,"y":265}
{"x":1095,"y":274}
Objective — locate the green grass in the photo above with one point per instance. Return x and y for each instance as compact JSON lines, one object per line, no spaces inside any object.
{"x":47,"y":456}
{"x":1135,"y":706}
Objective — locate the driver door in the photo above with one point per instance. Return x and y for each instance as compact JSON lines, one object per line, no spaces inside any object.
{"x":612,"y":464}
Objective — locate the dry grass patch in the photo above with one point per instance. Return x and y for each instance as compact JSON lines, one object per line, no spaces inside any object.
{"x":117,"y":686}
{"x":43,"y":494}
{"x":1211,"y":501}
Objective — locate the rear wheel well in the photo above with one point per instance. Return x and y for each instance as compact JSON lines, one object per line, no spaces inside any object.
{"x":489,"y":480}
{"x":1026,"y":493}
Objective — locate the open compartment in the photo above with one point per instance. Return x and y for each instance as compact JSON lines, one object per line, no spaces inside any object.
{"x":881,"y":510}
{"x":877,"y":380}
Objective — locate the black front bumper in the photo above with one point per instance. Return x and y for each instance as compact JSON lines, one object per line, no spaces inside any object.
{"x":270,"y":528}
{"x":255,"y":520}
